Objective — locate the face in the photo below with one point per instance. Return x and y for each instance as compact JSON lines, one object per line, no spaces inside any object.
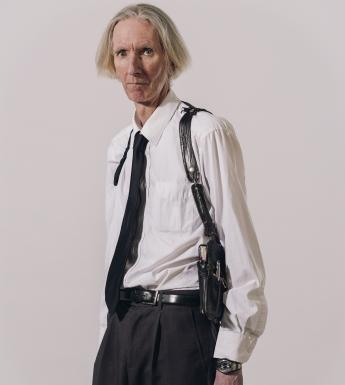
{"x":139,"y":60}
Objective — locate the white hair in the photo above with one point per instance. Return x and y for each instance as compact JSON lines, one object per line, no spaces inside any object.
{"x":170,"y":39}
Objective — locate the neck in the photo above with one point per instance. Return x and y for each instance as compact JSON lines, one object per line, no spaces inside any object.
{"x":144,"y":110}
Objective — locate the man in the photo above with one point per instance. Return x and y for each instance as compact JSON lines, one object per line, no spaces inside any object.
{"x":152,"y":331}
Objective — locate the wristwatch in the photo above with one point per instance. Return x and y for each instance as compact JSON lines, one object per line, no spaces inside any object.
{"x":227,"y":366}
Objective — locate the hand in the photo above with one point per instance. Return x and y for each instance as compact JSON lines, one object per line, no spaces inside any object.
{"x":235,"y":378}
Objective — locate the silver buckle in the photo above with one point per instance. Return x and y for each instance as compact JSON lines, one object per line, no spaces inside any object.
{"x":155,"y":298}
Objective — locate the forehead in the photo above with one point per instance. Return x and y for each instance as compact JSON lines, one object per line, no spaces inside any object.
{"x":134,"y":30}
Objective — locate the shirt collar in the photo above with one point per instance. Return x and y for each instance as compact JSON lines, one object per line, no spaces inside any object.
{"x":159,"y":119}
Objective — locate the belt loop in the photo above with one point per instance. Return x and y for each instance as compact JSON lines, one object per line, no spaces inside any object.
{"x":160,"y":302}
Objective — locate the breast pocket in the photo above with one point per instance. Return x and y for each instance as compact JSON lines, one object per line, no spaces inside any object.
{"x":172,"y":207}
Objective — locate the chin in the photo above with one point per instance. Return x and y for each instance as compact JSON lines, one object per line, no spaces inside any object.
{"x":136,"y":96}
{"x":136,"y":99}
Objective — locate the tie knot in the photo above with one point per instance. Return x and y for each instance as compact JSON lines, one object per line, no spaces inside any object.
{"x":140,"y":142}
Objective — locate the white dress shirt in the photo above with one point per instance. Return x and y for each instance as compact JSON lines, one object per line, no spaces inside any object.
{"x":172,"y":228}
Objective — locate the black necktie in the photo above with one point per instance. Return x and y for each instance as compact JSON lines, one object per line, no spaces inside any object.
{"x":129,"y":225}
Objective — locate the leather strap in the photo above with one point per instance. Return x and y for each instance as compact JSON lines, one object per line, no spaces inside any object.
{"x":153,"y":297}
{"x":192,"y":169}
{"x":189,"y":161}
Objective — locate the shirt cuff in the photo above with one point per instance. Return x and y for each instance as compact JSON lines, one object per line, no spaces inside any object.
{"x":234,"y":346}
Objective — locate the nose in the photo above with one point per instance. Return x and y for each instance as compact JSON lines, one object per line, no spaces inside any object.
{"x":134,"y":64}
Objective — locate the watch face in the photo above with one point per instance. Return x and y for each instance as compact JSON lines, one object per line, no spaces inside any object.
{"x":225,"y":371}
{"x":227,"y":366}
{"x":228,"y":370}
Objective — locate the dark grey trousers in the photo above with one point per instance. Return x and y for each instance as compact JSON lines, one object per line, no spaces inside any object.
{"x":166,"y":344}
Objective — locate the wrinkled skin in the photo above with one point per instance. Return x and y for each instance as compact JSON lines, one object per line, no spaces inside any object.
{"x":229,"y":379}
{"x":141,"y":64}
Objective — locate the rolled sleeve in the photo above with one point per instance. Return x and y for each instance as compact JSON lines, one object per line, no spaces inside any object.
{"x":245,"y":314}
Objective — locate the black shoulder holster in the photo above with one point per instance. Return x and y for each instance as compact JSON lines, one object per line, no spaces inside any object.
{"x":211,"y":263}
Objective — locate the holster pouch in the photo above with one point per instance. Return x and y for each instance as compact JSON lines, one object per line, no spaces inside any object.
{"x":212,"y":280}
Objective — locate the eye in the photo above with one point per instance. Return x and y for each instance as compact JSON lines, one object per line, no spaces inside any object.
{"x":119,"y":52}
{"x":148,"y":50}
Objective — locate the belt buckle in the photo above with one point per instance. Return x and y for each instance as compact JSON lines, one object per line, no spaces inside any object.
{"x":155,"y":299}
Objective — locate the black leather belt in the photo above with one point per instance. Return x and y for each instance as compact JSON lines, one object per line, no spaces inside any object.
{"x":153,"y":297}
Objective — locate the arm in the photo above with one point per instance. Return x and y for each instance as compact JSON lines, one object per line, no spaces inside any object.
{"x":245,"y":314}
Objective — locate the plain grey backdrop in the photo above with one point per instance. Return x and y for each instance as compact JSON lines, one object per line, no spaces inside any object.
{"x":275,"y":70}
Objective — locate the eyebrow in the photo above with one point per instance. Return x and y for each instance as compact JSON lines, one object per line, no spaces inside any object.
{"x":141,"y":45}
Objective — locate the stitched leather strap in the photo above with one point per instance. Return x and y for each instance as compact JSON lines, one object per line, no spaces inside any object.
{"x":189,"y":160}
{"x":192,"y":169}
